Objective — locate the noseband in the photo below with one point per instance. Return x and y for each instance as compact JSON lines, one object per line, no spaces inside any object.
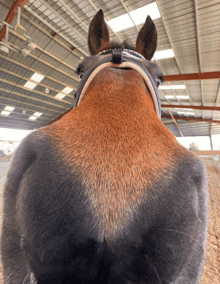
{"x":120,"y":59}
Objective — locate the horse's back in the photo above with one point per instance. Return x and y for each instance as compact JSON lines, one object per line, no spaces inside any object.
{"x":100,"y":214}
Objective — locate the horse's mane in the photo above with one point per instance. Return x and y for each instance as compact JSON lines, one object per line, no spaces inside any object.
{"x":116,"y":45}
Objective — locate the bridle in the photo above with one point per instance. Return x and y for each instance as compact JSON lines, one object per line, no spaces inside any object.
{"x":120,"y":58}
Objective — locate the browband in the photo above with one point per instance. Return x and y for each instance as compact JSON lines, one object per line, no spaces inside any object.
{"x":120,"y":59}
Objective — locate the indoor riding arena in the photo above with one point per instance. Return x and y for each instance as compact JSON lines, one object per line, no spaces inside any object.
{"x":109,"y":117}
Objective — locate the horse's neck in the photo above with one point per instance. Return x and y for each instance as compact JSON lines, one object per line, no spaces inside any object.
{"x":117,"y":107}
{"x":119,"y":94}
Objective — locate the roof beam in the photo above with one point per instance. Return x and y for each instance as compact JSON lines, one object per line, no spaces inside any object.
{"x":53,"y":67}
{"x":36,"y":92}
{"x":34,"y":70}
{"x":39,"y":84}
{"x":47,"y":53}
{"x":198,"y":46}
{"x":55,"y":30}
{"x":31,"y":98}
{"x":11,"y":14}
{"x":26,"y":109}
{"x":192,"y":76}
{"x":192,"y":118}
{"x":54,"y":11}
{"x":35,"y":107}
{"x":25,"y":121}
{"x":211,"y":131}
{"x":17,"y":116}
{"x":177,"y":125}
{"x":71,"y":49}
{"x":193,"y":107}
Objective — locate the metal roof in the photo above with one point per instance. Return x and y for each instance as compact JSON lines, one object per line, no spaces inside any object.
{"x":59,"y":28}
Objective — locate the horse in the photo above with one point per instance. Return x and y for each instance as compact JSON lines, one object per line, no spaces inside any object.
{"x":106,"y":194}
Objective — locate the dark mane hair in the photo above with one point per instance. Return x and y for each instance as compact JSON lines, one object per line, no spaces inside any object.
{"x":124,"y":44}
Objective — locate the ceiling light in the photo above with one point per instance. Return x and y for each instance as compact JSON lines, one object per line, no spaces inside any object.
{"x":32,"y":117}
{"x":47,"y":91}
{"x":169,"y":97}
{"x":6,"y":113}
{"x":37,"y":114}
{"x":31,"y":45}
{"x":172,"y":87}
{"x":189,"y":113}
{"x":139,"y":15}
{"x":37,"y":77}
{"x":163,"y":54}
{"x":30,"y":85}
{"x":120,"y":23}
{"x":60,"y":96}
{"x":25,"y":51}
{"x":9,"y":108}
{"x":4,"y":48}
{"x":67,"y":90}
{"x":179,"y":97}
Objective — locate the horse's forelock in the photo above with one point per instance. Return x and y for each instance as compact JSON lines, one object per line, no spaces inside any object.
{"x":115,"y":45}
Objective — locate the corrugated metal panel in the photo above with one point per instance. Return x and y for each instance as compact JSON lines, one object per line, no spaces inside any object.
{"x":209,"y":34}
{"x":210,"y":87}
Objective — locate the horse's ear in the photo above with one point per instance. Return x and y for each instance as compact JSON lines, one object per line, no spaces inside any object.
{"x":146,"y":43}
{"x":98,"y":34}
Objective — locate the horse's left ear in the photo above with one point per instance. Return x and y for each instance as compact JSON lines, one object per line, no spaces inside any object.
{"x":146,"y":43}
{"x":98,"y":34}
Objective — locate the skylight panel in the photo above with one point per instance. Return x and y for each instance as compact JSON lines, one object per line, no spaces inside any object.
{"x":35,"y":116}
{"x":172,"y":87}
{"x":189,"y":113}
{"x":163,"y":54}
{"x":120,"y":23}
{"x":180,"y":97}
{"x":32,"y":117}
{"x":30,"y":85}
{"x":60,"y":96}
{"x":139,"y":15}
{"x":67,"y":90}
{"x":9,"y":108}
{"x":6,"y":113}
{"x":181,"y":112}
{"x":169,"y":97}
{"x":38,"y":114}
{"x":37,"y":77}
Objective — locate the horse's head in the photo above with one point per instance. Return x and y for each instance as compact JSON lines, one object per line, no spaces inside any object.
{"x":113,"y":64}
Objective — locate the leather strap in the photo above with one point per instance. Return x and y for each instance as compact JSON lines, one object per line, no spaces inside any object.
{"x":117,"y":56}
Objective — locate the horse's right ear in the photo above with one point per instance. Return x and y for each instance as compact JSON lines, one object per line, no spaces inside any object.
{"x":98,"y":38}
{"x":147,"y":39}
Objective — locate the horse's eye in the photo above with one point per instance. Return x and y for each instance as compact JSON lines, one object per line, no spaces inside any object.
{"x":158,"y":82}
{"x":80,"y":75}
{"x":80,"y":70}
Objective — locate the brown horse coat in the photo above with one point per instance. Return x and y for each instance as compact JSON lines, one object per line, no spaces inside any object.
{"x":106,"y":194}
